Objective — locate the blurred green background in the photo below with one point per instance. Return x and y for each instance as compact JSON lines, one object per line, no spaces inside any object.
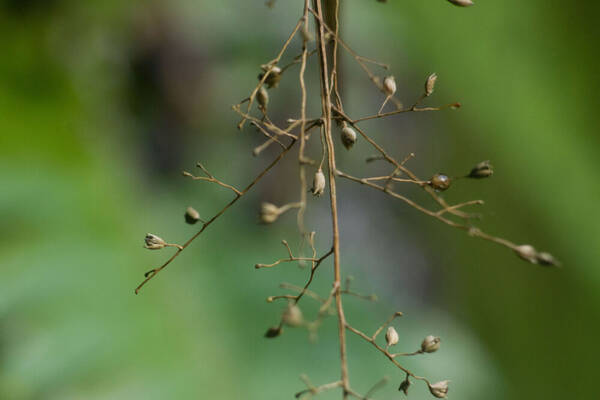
{"x":103,"y":103}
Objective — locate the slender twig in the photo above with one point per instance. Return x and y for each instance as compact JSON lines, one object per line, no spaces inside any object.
{"x":313,"y":390}
{"x":359,"y":59}
{"x":389,"y":355}
{"x":397,"y":164}
{"x":271,"y":64}
{"x":473,"y":231}
{"x":153,"y":272}
{"x":210,"y":178}
{"x":404,"y":110}
{"x":291,"y":258}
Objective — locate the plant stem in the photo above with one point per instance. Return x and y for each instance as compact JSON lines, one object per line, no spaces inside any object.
{"x":326,"y":107}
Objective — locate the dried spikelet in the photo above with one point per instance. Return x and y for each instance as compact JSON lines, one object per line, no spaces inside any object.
{"x":440,"y":182}
{"x":391,"y":336}
{"x":389,"y":85}
{"x":348,"y":137}
{"x":430,"y":84}
{"x":191,"y":216}
{"x":482,"y":170}
{"x":292,"y":316}
{"x":153,"y":242}
{"x":430,"y":344}
{"x":462,"y":3}
{"x":527,"y":252}
{"x":263,"y":97}
{"x":274,"y":76}
{"x":273,"y":332}
{"x":269,"y":213}
{"x":439,"y":389}
{"x":318,"y":186}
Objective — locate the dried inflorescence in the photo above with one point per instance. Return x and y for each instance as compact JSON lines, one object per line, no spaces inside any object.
{"x":296,"y":133}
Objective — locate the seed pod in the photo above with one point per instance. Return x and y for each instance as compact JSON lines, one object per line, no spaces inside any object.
{"x":269,"y":213}
{"x":439,"y":182}
{"x":462,"y":3}
{"x":191,"y":216}
{"x":273,"y":332}
{"x":153,"y":242}
{"x":389,"y":85}
{"x":405,"y":385}
{"x":391,"y":336}
{"x":273,"y":78}
{"x":430,"y":344}
{"x":263,"y":97}
{"x":307,"y":36}
{"x":348,"y":137}
{"x":439,"y":389}
{"x":292,"y":316}
{"x":527,"y":253}
{"x":430,"y":84}
{"x":318,"y":183}
{"x":547,"y":259}
{"x":482,"y":170}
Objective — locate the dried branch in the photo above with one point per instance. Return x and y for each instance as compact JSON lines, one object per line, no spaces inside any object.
{"x":210,"y":178}
{"x":153,"y":272}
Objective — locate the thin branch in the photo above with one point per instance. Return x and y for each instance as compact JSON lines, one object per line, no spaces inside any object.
{"x":267,"y":134}
{"x":271,"y":64}
{"x":210,"y":178}
{"x":472,"y":231}
{"x":153,"y":272}
{"x":390,"y":356}
{"x":398,"y":165}
{"x":404,"y":110}
{"x":359,"y":59}
{"x":314,"y":390}
{"x":291,"y":258}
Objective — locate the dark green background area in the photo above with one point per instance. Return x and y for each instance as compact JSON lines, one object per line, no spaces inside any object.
{"x":103,"y":103}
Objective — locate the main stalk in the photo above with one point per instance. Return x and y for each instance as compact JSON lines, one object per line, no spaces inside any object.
{"x":327,"y":85}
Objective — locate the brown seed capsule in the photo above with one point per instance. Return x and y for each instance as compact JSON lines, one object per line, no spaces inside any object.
{"x":430,"y":84}
{"x":439,"y":182}
{"x":273,"y":332}
{"x":274,"y":76}
{"x":430,"y":344}
{"x":391,"y":336}
{"x":191,"y":216}
{"x":482,"y":170}
{"x":527,"y":253}
{"x":318,"y":183}
{"x":153,"y":242}
{"x":389,"y":85}
{"x":439,"y":389}
{"x":292,"y":316}
{"x":404,"y":386}
{"x":462,"y":3}
{"x":269,"y":213}
{"x":263,"y":97}
{"x":348,"y":137}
